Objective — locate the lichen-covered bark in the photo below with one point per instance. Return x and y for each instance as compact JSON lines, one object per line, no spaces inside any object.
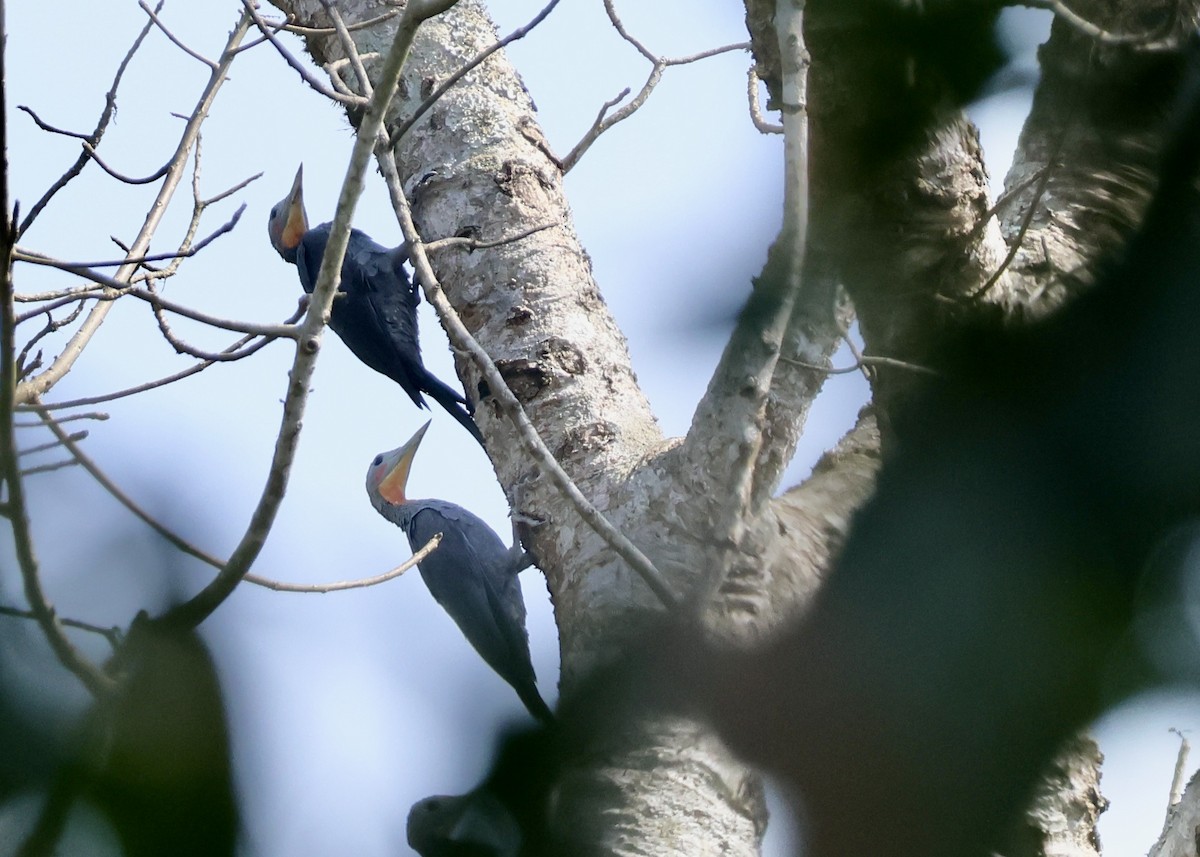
{"x":1061,"y":821}
{"x":1181,"y":833}
{"x":1099,"y":121}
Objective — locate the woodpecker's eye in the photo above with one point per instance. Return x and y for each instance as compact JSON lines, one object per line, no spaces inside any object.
{"x":378,"y":461}
{"x":274,"y":212}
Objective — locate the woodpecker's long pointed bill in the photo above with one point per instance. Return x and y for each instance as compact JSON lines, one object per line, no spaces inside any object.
{"x":288,"y":222}
{"x":297,"y":222}
{"x":396,"y":465}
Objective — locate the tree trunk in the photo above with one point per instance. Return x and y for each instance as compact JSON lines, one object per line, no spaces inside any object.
{"x":907,"y":230}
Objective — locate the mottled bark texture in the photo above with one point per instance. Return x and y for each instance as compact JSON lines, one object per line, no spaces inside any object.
{"x":1061,"y":820}
{"x":1088,"y":158}
{"x":901,"y":219}
{"x":1181,"y":833}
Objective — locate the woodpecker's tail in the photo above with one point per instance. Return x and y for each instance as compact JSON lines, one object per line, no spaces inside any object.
{"x":453,"y":402}
{"x":533,"y":701}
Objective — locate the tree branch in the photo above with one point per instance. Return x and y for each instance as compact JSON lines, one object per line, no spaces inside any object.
{"x":10,"y":470}
{"x":428,"y":548}
{"x":36,"y":387}
{"x":197,"y":608}
{"x":509,"y":404}
{"x":110,"y":106}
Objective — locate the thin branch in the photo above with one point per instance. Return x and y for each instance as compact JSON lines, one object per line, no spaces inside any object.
{"x":37,"y":386}
{"x":86,"y":462}
{"x":75,"y":437}
{"x":328,"y":31}
{"x":397,"y":132}
{"x":73,"y":292}
{"x":185,"y":546}
{"x":530,"y":439}
{"x":228,"y":226}
{"x":16,"y":509}
{"x":1043,"y":181}
{"x":1150,"y":42}
{"x":360,"y":71}
{"x":231,"y":191}
{"x":112,"y":634}
{"x":183,"y":347}
{"x":171,"y":36}
{"x":299,"y":67}
{"x":342,"y":585}
{"x":110,"y":106}
{"x":47,"y":468}
{"x":99,"y":416}
{"x":79,"y":297}
{"x":193,"y":611}
{"x":659,"y":64}
{"x":756,"y":115}
{"x":47,"y":127}
{"x":478,"y":244}
{"x":857,"y":366}
{"x":160,"y":382}
{"x":153,"y":177}
{"x":116,"y":289}
{"x":52,"y":325}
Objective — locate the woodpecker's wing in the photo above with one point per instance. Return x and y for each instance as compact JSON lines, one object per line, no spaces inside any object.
{"x":460,"y":575}
{"x":376,"y":316}
{"x":463,"y":575}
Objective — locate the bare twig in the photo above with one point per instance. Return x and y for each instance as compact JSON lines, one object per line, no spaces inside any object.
{"x":171,"y":36}
{"x":187,"y":547}
{"x":241,"y":346}
{"x":659,"y":64}
{"x":52,"y":325}
{"x":74,"y":437}
{"x":86,"y":462}
{"x":73,"y":293}
{"x":756,"y":115}
{"x":94,"y":415}
{"x":1150,"y":42}
{"x":1014,"y":247}
{"x":37,"y":258}
{"x":360,"y":71}
{"x":117,"y":289}
{"x":47,"y":468}
{"x":231,"y":191}
{"x":112,"y":634}
{"x":478,"y":244}
{"x":78,"y":297}
{"x":326,"y":31}
{"x":342,"y":585}
{"x":196,"y":609}
{"x":509,"y":404}
{"x":521,"y":32}
{"x":16,"y":510}
{"x":299,"y":67}
{"x":47,"y":127}
{"x":35,"y":387}
{"x":153,"y":177}
{"x":110,"y":106}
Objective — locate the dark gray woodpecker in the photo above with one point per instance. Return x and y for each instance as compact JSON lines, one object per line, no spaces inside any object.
{"x":471,"y":573}
{"x":377,"y":314}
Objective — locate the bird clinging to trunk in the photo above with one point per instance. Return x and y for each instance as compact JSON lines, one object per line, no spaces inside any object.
{"x":471,"y":573}
{"x":376,"y":314}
